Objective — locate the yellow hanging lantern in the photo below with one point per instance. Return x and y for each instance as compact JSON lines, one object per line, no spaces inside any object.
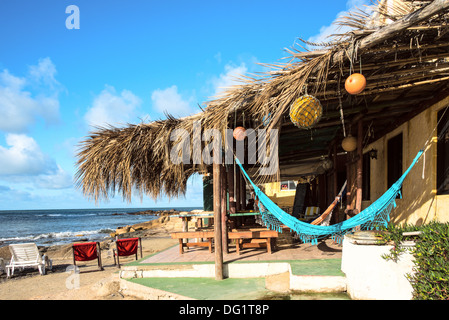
{"x":306,"y":111}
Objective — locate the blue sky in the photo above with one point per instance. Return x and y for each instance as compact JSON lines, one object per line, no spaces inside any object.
{"x":128,"y":62}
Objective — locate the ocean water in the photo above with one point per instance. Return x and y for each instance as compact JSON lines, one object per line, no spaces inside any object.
{"x":51,"y":227}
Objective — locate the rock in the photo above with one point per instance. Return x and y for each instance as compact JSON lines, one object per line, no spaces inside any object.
{"x":278,"y":282}
{"x":107,"y":288}
{"x":121,"y":230}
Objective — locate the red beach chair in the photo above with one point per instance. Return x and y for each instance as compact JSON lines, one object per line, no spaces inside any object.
{"x":86,"y":252}
{"x":126,"y":247}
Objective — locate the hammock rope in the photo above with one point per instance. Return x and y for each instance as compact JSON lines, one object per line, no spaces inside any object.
{"x":373,"y":217}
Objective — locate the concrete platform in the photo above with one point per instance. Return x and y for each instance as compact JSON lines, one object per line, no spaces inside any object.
{"x":292,"y":268}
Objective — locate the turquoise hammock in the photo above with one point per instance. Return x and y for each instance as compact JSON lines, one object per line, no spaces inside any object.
{"x":373,"y":217}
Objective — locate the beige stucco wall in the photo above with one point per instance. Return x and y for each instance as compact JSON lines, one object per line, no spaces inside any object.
{"x":283,"y":198}
{"x":419,"y":203}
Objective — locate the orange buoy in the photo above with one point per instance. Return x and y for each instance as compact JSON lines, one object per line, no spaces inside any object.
{"x":355,"y":83}
{"x":239,"y":133}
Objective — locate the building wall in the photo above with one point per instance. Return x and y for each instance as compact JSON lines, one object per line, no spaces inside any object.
{"x":419,"y":204}
{"x":284,"y":198}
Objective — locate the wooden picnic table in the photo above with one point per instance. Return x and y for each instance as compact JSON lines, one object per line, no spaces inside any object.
{"x":256,"y":238}
{"x":200,"y":235}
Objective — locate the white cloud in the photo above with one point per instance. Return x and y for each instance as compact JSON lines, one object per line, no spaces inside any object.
{"x":23,"y":157}
{"x":109,"y":108}
{"x":19,"y":107}
{"x":24,"y":162}
{"x":326,"y":31}
{"x":228,"y":78}
{"x":169,"y":100}
{"x":44,"y":73}
{"x":60,"y":179}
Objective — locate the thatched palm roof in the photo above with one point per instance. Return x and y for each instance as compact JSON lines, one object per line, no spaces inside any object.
{"x":402,"y":49}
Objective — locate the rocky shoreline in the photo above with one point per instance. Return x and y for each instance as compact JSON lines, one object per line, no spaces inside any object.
{"x":161,"y":226}
{"x":155,"y":212}
{"x":138,"y":230}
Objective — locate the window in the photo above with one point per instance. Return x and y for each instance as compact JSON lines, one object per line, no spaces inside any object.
{"x":288,"y":185}
{"x":443,"y":153}
{"x":366,"y":182}
{"x":394,"y":159}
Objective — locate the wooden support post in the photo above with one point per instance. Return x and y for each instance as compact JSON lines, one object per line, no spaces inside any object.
{"x":349,"y":185}
{"x":224,"y":225}
{"x":358,"y":203}
{"x":242,"y":192}
{"x":237,"y":189}
{"x":335,"y":217}
{"x":231,"y":190}
{"x":217,"y":222}
{"x":185,"y":225}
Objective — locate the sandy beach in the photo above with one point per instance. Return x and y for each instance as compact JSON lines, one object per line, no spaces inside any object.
{"x":93,"y":284}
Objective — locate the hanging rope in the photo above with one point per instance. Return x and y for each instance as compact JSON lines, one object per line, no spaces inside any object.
{"x":342,"y":118}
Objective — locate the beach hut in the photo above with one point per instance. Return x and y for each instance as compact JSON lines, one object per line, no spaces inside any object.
{"x":355,"y":109}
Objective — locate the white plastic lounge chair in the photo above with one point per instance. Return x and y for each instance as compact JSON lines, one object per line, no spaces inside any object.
{"x":26,"y":255}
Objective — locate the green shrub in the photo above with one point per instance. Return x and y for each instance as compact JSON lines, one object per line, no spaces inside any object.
{"x":430,"y":279}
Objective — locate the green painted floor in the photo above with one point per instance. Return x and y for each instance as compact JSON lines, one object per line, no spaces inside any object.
{"x":248,"y":288}
{"x":317,"y":267}
{"x":209,"y":288}
{"x":229,"y":289}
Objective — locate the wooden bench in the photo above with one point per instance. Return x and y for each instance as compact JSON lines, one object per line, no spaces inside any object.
{"x":199,"y":235}
{"x":258,"y":238}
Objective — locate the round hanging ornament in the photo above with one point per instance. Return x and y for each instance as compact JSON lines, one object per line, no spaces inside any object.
{"x":239,"y":133}
{"x":349,"y":143}
{"x":355,"y":83}
{"x":306,"y":111}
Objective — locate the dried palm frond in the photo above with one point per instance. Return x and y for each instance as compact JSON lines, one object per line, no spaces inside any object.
{"x":355,"y":19}
{"x":135,"y":159}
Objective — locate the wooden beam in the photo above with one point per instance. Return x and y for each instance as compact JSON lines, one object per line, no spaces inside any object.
{"x":398,"y":26}
{"x":217,"y":222}
{"x":401,"y":62}
{"x":417,"y":72}
{"x":335,"y":176}
{"x":242,"y":193}
{"x":318,"y":53}
{"x":231,"y":189}
{"x":224,"y":218}
{"x":375,"y":91}
{"x":237,"y":178}
{"x":358,"y":204}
